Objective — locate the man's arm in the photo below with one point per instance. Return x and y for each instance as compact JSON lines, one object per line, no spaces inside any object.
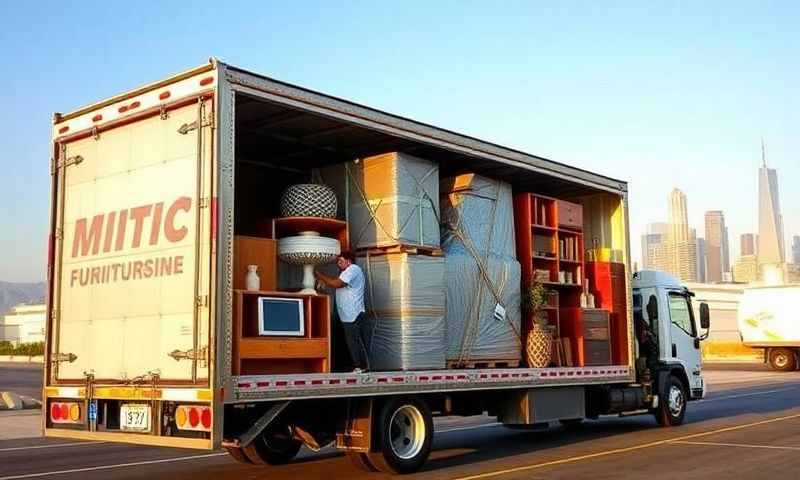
{"x":333,"y":282}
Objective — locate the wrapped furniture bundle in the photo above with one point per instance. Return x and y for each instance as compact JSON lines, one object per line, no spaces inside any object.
{"x":387,"y":199}
{"x":482,"y":275}
{"x":405,"y":297}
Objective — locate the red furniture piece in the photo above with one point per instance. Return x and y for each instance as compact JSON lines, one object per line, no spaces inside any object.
{"x":607,"y":282}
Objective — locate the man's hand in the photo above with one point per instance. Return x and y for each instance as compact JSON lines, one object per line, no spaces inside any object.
{"x":333,"y":282}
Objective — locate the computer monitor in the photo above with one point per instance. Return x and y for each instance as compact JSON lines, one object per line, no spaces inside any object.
{"x":281,"y":317}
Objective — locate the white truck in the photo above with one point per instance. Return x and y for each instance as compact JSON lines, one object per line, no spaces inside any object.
{"x":149,"y":189}
{"x":768,"y":320}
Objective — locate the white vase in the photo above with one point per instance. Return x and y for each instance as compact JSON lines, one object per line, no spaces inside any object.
{"x":252,"y":281}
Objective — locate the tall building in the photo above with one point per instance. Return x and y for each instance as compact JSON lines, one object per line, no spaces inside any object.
{"x":678,"y":255}
{"x":770,"y":221}
{"x":716,"y":246}
{"x":701,"y":260}
{"x":748,"y":244}
{"x":726,"y":255}
{"x":655,"y":234}
{"x":796,"y":249}
{"x":678,"y":217}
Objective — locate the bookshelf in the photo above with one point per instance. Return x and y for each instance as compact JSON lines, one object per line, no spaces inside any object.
{"x":550,"y":250}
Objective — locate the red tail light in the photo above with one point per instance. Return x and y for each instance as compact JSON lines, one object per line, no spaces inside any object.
{"x":205,"y":418}
{"x":193,"y":417}
{"x":65,"y":412}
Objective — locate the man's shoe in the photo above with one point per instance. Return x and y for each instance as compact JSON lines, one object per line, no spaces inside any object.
{"x":358,"y":370}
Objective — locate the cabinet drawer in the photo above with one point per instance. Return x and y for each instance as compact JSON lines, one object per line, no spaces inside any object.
{"x":570,"y":215}
{"x":596,"y":352}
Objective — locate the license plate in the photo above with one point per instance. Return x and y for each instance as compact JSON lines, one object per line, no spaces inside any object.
{"x":134,"y":417}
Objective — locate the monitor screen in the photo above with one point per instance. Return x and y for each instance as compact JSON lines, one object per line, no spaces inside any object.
{"x":281,"y":316}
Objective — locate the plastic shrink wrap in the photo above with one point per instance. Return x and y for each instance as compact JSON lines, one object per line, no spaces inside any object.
{"x":388,"y":199}
{"x":405,"y":301}
{"x":482,"y":275}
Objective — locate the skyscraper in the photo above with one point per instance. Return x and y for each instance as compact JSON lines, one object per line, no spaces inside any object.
{"x":748,"y":244}
{"x":679,"y":253}
{"x":716,"y":248}
{"x":678,"y":217}
{"x":656,"y":233}
{"x":702,"y":258}
{"x":726,"y":254}
{"x":796,"y":249}
{"x":770,"y":222}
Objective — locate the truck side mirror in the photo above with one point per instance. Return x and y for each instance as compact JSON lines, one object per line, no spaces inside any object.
{"x":705,"y":317}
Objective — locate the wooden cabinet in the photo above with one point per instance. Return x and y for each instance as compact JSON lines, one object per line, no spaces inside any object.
{"x":607,"y":282}
{"x":255,"y":251}
{"x":590,"y":336}
{"x":570,"y":215}
{"x":254,"y":354}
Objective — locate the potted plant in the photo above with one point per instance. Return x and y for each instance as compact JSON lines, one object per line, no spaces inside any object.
{"x":539,"y":341}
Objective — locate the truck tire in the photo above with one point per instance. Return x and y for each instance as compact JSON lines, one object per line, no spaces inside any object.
{"x":272,"y":447}
{"x":404,"y":436}
{"x":782,"y":359}
{"x":672,"y":403}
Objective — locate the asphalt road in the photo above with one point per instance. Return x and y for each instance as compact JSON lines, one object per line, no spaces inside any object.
{"x":22,"y":378}
{"x":747,"y":427}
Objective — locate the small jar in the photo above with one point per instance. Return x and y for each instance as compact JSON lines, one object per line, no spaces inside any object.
{"x":252,"y":280}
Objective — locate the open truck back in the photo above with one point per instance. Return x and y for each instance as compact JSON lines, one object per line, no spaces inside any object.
{"x":146,"y":338}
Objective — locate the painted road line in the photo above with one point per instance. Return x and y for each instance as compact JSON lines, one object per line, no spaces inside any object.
{"x":617,"y":451}
{"x":55,"y":445}
{"x":742,"y":445}
{"x":109,"y":467}
{"x":742,"y":395}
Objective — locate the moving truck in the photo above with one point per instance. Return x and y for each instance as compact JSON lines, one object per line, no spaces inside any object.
{"x":151,"y":191}
{"x":768,"y":320}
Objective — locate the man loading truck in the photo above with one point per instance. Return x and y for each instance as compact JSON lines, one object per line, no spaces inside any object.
{"x":349,"y":287}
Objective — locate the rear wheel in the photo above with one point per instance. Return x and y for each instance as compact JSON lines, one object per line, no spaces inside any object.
{"x":672,"y":403}
{"x":405,"y":435}
{"x":274,"y":446}
{"x":782,"y":359}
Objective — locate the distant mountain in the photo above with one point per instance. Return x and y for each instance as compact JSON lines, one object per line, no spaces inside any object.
{"x":12,"y":294}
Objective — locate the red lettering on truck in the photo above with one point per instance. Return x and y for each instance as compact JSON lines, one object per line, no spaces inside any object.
{"x":111,"y":228}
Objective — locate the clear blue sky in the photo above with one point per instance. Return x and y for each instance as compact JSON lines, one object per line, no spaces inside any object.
{"x":663,"y":95}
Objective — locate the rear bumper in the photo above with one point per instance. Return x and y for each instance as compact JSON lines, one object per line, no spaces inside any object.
{"x":133,"y":438}
{"x":97,"y":428}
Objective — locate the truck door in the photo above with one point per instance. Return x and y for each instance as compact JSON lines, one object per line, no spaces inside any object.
{"x":132,"y":274}
{"x":685,"y":346}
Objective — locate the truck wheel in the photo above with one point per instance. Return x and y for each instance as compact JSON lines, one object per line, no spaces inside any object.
{"x":273,"y":447}
{"x":672,"y":405}
{"x":404,"y":436}
{"x":782,"y":359}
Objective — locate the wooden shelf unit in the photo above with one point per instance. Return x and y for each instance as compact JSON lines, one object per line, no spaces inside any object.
{"x":254,"y":354}
{"x":607,"y":282}
{"x":540,"y":234}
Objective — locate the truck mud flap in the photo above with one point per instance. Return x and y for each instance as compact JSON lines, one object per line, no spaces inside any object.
{"x":262,"y":423}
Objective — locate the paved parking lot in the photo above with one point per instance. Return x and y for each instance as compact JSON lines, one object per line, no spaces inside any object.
{"x":748,"y":427}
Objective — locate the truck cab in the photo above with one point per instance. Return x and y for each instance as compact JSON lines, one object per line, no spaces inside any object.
{"x":668,"y":336}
